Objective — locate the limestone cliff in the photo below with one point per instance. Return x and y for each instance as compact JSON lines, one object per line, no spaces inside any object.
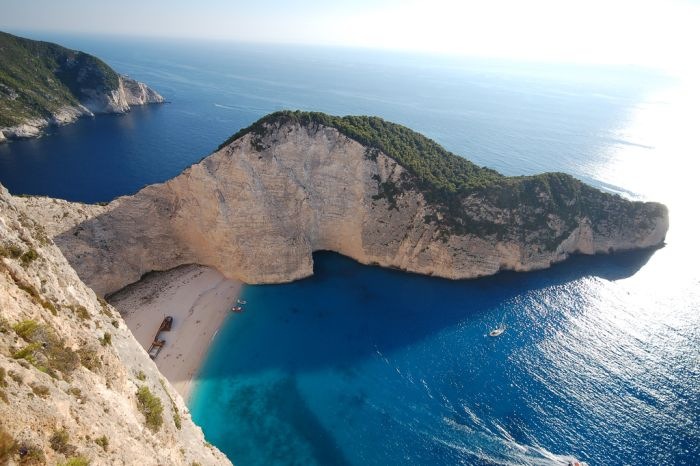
{"x":297,"y":183}
{"x":44,"y":84}
{"x":70,"y":369}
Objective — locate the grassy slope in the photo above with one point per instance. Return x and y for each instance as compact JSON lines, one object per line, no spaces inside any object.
{"x":449,"y":181}
{"x":37,"y":78}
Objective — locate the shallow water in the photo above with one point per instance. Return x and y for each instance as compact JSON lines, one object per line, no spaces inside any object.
{"x":358,"y":365}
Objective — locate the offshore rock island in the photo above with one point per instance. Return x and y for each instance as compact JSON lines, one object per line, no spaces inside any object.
{"x":298,"y":182}
{"x":43,"y":84}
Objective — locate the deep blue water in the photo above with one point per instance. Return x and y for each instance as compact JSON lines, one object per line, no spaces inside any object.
{"x":512,"y":117}
{"x":359,"y":365}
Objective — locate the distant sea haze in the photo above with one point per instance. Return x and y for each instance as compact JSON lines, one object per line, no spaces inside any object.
{"x":363,"y":366}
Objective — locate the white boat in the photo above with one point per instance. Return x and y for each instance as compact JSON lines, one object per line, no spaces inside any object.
{"x":497,"y":332}
{"x":240,"y":301}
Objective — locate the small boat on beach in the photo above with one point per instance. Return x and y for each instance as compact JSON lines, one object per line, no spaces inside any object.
{"x":497,"y":332}
{"x":166,"y":325}
{"x":155,"y":348}
{"x":237,"y":309}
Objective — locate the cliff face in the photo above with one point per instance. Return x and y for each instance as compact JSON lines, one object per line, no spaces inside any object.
{"x":260,"y":206}
{"x":128,"y":93}
{"x":43,"y":84}
{"x":70,"y":369}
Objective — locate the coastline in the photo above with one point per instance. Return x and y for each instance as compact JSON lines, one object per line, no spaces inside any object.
{"x":198,"y":298}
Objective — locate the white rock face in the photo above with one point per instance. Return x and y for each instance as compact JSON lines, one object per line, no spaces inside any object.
{"x":72,"y":379}
{"x":257,"y":210}
{"x":120,"y":100}
{"x":33,"y":128}
{"x":137,"y":93}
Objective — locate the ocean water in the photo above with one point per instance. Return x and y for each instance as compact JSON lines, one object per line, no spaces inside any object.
{"x":358,"y":365}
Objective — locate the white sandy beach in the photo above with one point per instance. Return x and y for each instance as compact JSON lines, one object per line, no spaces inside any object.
{"x":198,"y":298}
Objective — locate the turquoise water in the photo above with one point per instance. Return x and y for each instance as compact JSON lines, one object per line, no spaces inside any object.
{"x":359,"y":365}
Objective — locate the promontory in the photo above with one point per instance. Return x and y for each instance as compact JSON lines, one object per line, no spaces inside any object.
{"x":44,"y":84}
{"x":298,"y":182}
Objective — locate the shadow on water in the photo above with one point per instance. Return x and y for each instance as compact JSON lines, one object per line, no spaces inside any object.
{"x":347,"y":311}
{"x":273,"y":425}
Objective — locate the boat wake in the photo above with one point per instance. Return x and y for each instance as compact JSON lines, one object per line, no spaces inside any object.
{"x":497,"y":446}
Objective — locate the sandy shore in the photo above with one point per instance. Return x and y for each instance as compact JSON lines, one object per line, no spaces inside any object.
{"x":198,"y":298}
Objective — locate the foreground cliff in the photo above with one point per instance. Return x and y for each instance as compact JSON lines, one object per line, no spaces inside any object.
{"x":44,"y":84}
{"x":74,"y":383}
{"x":295,"y":183}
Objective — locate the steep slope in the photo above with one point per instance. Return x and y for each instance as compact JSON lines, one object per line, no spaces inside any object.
{"x":74,"y":383}
{"x":295,"y":183}
{"x":43,"y":84}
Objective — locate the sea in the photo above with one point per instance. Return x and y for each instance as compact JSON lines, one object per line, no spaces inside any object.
{"x":358,"y":365}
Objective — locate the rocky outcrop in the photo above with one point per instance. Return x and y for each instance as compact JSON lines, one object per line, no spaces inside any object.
{"x":33,"y":127}
{"x":129,"y":93}
{"x":44,"y":84}
{"x":259,"y":207}
{"x":70,"y":369}
{"x":120,"y":100}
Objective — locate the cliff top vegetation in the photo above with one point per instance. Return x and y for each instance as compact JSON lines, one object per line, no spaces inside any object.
{"x":37,"y":78}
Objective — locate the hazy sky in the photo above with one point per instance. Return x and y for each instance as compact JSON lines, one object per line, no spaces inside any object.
{"x":659,"y":33}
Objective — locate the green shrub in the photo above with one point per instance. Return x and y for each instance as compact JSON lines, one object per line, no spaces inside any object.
{"x":59,"y":442}
{"x":46,"y":351}
{"x":12,"y":251}
{"x":106,"y":339}
{"x":26,"y":329}
{"x":28,"y":257}
{"x":90,"y":359}
{"x":81,"y":311}
{"x":30,"y":454}
{"x":48,"y":305}
{"x":141,"y":375}
{"x":103,"y":442}
{"x":76,"y":461}
{"x":151,"y":407}
{"x":40,"y":390}
{"x":27,"y":353}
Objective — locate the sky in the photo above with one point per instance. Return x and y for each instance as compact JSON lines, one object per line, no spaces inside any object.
{"x":662,"y":34}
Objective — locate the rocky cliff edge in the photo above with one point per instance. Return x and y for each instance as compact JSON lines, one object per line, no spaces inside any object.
{"x":74,"y":383}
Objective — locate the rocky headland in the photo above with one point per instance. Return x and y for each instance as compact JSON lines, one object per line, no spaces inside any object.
{"x":294,"y":183}
{"x":43,"y":84}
